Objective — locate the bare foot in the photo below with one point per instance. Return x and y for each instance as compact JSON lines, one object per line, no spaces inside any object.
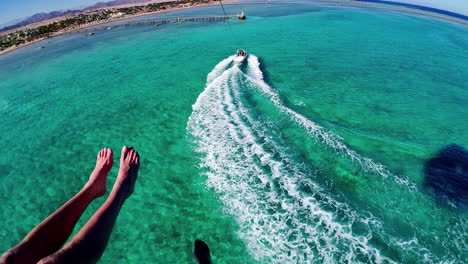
{"x":97,"y":180}
{"x":128,"y":172}
{"x":202,"y":252}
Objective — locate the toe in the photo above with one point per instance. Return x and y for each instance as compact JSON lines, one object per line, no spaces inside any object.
{"x":124,"y":152}
{"x":130,"y":154}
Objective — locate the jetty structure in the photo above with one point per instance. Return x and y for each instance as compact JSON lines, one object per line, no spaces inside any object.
{"x":158,"y":22}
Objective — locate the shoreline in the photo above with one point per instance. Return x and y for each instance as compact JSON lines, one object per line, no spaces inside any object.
{"x":349,"y":3}
{"x":73,"y":30}
{"x":376,"y":5}
{"x":366,"y":4}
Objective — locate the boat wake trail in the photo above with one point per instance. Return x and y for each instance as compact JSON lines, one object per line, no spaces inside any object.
{"x":283,"y":215}
{"x":319,"y":133}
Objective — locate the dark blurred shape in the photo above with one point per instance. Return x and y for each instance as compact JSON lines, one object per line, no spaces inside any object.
{"x":447,"y":176}
{"x":202,"y":252}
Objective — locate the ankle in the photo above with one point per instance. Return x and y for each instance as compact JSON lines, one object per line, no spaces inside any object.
{"x":122,"y":188}
{"x":92,"y":190}
{"x":117,"y":194}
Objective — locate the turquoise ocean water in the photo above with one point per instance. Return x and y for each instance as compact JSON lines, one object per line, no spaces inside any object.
{"x":314,"y":151}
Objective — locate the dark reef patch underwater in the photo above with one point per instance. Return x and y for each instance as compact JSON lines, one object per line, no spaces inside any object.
{"x":447,"y":175}
{"x":329,"y":147}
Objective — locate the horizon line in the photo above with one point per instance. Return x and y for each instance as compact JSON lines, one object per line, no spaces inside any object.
{"x":412,"y":6}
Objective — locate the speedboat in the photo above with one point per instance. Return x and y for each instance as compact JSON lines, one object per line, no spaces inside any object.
{"x":240,"y":57}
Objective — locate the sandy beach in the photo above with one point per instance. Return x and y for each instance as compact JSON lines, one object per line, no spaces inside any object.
{"x":327,"y":144}
{"x":75,"y":29}
{"x":345,"y":3}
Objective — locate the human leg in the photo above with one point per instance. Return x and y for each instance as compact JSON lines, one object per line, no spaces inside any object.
{"x":90,"y":242}
{"x":50,"y":234}
{"x":202,"y":252}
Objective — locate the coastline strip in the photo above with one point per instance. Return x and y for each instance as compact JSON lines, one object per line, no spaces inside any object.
{"x":411,"y":9}
{"x":7,"y":50}
{"x":348,"y":3}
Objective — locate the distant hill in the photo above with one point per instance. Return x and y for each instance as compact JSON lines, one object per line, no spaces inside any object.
{"x":44,"y":16}
{"x":39,"y":17}
{"x":115,"y":3}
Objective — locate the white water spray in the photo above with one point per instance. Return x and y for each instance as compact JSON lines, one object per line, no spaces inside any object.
{"x":261,"y":186}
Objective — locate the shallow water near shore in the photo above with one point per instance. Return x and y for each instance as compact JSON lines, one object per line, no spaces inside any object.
{"x":314,"y":151}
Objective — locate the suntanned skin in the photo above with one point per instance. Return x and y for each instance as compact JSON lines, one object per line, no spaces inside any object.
{"x":90,"y":242}
{"x":51,"y":234}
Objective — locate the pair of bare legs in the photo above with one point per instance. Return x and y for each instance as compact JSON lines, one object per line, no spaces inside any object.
{"x":42,"y":244}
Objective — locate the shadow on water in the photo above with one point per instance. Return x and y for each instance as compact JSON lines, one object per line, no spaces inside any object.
{"x":446,"y":176}
{"x":266,"y":75}
{"x":267,"y":79}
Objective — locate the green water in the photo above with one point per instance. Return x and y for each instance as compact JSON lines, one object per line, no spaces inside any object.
{"x":321,"y":160}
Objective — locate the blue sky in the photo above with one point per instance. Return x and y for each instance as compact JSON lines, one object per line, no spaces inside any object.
{"x":17,"y":9}
{"x":457,"y":6}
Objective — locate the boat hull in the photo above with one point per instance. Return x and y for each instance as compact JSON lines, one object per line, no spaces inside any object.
{"x":239,"y":59}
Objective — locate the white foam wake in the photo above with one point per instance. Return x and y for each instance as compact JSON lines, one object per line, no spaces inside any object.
{"x":218,"y":69}
{"x":318,"y":132}
{"x":261,"y":185}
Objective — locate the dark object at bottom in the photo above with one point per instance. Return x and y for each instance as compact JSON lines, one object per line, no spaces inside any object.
{"x":202,"y":252}
{"x":447,"y":175}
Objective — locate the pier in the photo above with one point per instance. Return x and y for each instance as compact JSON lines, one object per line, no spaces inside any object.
{"x":158,"y":22}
